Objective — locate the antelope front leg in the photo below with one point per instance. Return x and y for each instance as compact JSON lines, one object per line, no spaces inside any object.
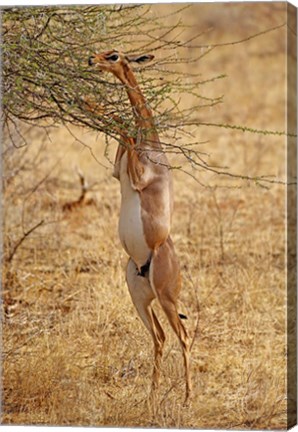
{"x":140,"y":174}
{"x":120,"y":152}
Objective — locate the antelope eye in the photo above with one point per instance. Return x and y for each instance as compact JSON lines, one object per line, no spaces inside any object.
{"x":113,"y":57}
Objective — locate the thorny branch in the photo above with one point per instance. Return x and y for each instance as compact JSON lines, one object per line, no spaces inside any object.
{"x":46,"y":75}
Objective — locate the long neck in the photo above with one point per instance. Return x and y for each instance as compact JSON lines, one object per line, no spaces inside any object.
{"x":142,"y":112}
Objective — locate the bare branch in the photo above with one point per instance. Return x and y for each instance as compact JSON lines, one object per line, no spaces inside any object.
{"x":20,"y":241}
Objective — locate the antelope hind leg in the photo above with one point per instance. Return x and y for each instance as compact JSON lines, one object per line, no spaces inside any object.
{"x":142,"y":296}
{"x":164,"y":276}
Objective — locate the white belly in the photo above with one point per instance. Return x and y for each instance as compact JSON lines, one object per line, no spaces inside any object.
{"x":131,"y":230}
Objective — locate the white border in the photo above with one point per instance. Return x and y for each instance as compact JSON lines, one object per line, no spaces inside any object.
{"x":96,"y":2}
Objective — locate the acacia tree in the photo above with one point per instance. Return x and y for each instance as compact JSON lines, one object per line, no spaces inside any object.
{"x":46,"y":74}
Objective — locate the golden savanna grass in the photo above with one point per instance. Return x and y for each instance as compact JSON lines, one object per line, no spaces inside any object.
{"x":75,"y":351}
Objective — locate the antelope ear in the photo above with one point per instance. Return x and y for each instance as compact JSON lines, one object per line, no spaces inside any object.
{"x":140,"y":59}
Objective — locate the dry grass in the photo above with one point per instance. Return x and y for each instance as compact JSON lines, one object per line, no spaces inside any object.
{"x":75,"y":352}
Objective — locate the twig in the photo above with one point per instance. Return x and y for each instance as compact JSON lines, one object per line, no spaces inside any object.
{"x":20,"y":241}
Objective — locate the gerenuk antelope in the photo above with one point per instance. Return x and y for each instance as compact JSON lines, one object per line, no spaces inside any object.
{"x":142,"y":168}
